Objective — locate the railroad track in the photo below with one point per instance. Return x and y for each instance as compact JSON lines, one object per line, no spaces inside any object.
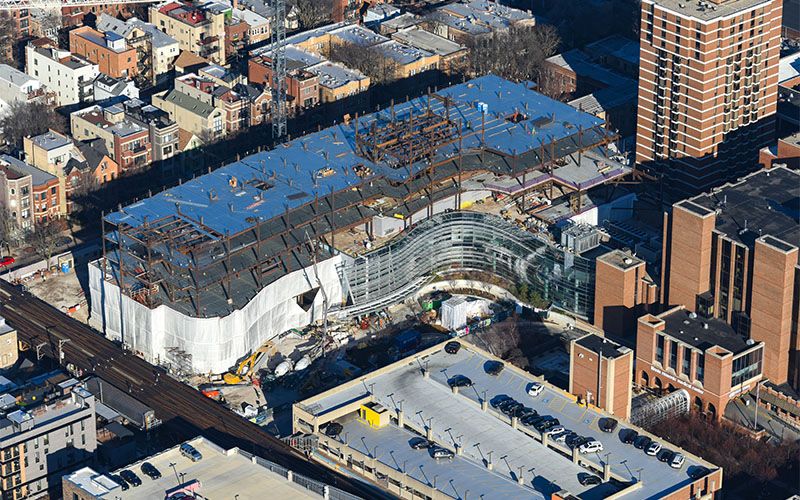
{"x":183,"y":410}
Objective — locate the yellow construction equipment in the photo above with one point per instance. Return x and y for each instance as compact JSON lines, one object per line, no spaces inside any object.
{"x":246,"y":368}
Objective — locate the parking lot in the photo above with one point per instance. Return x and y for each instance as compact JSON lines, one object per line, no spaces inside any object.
{"x":486,"y":437}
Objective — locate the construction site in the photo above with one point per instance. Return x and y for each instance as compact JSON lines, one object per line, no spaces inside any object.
{"x":335,"y":227}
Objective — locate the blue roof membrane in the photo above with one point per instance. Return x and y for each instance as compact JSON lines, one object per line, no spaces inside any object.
{"x":229,"y":200}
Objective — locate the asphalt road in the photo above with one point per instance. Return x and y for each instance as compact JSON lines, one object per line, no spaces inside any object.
{"x":184,"y":411}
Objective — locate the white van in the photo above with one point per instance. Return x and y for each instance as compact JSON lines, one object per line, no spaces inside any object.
{"x":591,"y":447}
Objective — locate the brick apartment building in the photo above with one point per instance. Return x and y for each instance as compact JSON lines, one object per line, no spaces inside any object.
{"x":108,"y":50}
{"x":127,"y":141}
{"x":678,"y":349}
{"x":31,"y":195}
{"x":623,"y":292}
{"x":707,"y":88}
{"x":200,"y":30}
{"x":302,"y":86}
{"x":601,"y":373}
{"x":732,"y":255}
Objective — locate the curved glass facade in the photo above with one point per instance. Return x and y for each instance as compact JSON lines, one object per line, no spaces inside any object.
{"x":471,"y":241}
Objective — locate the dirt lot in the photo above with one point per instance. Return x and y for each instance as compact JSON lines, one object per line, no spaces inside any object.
{"x":62,"y":291}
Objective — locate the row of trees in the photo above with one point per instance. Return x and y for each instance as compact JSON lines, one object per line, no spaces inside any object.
{"x":26,"y":119}
{"x":516,"y":54}
{"x":368,"y":60}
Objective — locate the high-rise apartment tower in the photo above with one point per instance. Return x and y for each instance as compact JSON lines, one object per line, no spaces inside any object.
{"x":707,"y":88}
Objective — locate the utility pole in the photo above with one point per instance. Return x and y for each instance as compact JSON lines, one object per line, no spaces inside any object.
{"x":39,"y":354}
{"x":61,"y":349}
{"x":278,"y":109}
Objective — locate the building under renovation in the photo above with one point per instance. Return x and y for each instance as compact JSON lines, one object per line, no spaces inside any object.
{"x":201,"y":274}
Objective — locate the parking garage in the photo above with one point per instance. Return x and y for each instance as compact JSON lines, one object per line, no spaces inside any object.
{"x":494,"y":456}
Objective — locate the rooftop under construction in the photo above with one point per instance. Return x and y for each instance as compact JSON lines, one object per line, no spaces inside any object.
{"x":207,"y":247}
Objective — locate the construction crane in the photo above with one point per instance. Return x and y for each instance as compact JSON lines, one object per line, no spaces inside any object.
{"x":278,"y":108}
{"x":247,"y":367}
{"x":57,"y":4}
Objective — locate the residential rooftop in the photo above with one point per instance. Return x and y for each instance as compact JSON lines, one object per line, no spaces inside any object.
{"x":38,"y":176}
{"x":703,"y":333}
{"x":219,"y":474}
{"x":789,"y":67}
{"x":158,"y":38}
{"x":402,"y":53}
{"x":709,"y":11}
{"x":333,"y":75}
{"x":478,"y":17}
{"x":425,"y":40}
{"x":14,"y":76}
{"x":616,"y":46}
{"x":20,"y":421}
{"x":51,"y":140}
{"x":764,"y":203}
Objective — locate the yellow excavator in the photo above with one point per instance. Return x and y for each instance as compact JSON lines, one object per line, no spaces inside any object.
{"x":246,"y":368}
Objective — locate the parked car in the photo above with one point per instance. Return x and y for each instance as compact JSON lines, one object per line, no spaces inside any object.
{"x":592,"y":446}
{"x":546,"y":424}
{"x":511,"y":408}
{"x":523,"y":411}
{"x":452,"y":347}
{"x":419,"y":443}
{"x":556,"y":429}
{"x":531,"y":420}
{"x":576,"y":440}
{"x":535,"y":389}
{"x":562,"y":437}
{"x":440,"y":453}
{"x":589,"y":480}
{"x":698,"y":471}
{"x":131,"y":478}
{"x":653,"y":448}
{"x":498,"y":400}
{"x":642,"y":442}
{"x":665,"y":456}
{"x":504,"y":404}
{"x":460,"y":381}
{"x":333,"y":429}
{"x":629,"y":436}
{"x":494,"y":367}
{"x":608,"y":424}
{"x":150,"y":471}
{"x":190,"y":452}
{"x":121,"y":482}
{"x":677,"y":460}
{"x":6,"y":261}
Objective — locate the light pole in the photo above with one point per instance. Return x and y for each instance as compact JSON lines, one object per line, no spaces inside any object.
{"x":758,"y":400}
{"x":61,"y":349}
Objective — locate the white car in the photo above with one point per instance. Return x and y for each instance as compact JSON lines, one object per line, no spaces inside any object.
{"x":535,"y":389}
{"x":653,"y":449}
{"x":561,"y":437}
{"x":677,"y":461}
{"x":556,"y":430}
{"x":591,"y":447}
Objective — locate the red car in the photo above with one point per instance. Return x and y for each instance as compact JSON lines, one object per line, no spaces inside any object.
{"x":6,"y":261}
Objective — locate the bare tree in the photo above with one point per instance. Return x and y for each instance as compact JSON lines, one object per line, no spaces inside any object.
{"x":44,"y":238}
{"x":369,"y":60}
{"x":516,"y":54}
{"x":312,"y":13}
{"x":25,"y":119}
{"x":9,"y":230}
{"x":8,"y":37}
